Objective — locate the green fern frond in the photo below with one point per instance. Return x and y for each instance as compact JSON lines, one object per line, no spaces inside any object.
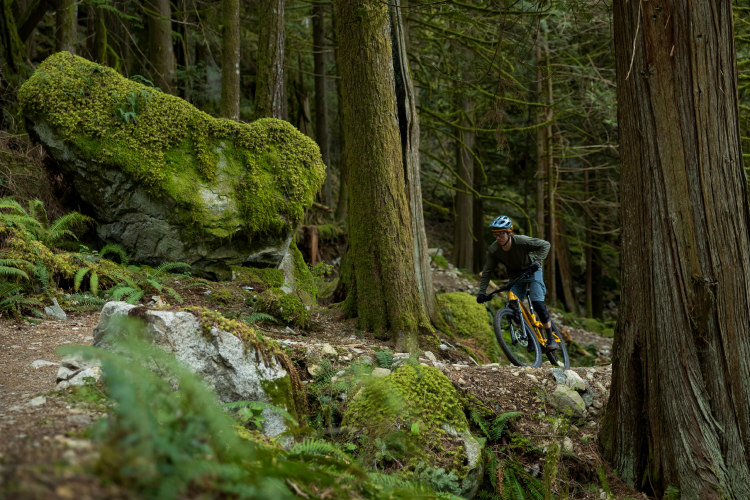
{"x":114,"y":248}
{"x":310,"y":446}
{"x":499,"y":424}
{"x":260,"y":405}
{"x":37,"y":211}
{"x":10,"y":267}
{"x":7,"y":289}
{"x":63,"y":226}
{"x":12,"y":205}
{"x":259,"y":316}
{"x":78,"y":279}
{"x":27,"y":224}
{"x":158,"y":286}
{"x":42,"y":274}
{"x":170,"y":267}
{"x":94,"y":283}
{"x":118,"y":292}
{"x":134,"y":297}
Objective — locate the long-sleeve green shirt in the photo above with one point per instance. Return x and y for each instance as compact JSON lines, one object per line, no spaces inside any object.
{"x":524,"y":252}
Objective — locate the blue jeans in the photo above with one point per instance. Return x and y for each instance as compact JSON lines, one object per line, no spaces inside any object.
{"x":536,"y":287}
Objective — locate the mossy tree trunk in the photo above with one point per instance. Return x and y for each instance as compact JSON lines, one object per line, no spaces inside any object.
{"x":679,"y":407}
{"x":321,"y":98}
{"x":382,"y":282}
{"x":66,"y":17}
{"x":161,"y":51}
{"x":11,"y":46}
{"x":230,"y":60}
{"x":463,"y":240}
{"x":270,"y":85}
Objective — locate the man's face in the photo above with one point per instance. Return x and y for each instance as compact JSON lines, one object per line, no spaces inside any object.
{"x":501,"y":237}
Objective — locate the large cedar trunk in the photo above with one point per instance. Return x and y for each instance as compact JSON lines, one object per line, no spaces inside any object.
{"x":230,"y":60}
{"x":679,"y":407}
{"x":270,"y":88}
{"x":382,"y":282}
{"x":321,"y":97}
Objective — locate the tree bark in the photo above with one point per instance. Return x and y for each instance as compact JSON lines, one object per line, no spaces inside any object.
{"x":463,"y":237}
{"x":679,"y":407}
{"x":406,"y":102}
{"x":230,"y":60}
{"x":383,"y":282}
{"x":66,"y":17}
{"x":159,"y":21}
{"x":270,"y":87}
{"x":10,"y":43}
{"x":321,"y":101}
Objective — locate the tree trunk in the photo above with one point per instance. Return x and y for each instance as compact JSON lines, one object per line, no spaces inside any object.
{"x":321,"y":101}
{"x":679,"y":407}
{"x":406,"y":102}
{"x":588,"y":250}
{"x":541,"y":144}
{"x":303,"y":116}
{"x":270,"y":87}
{"x":564,"y":268}
{"x":66,"y":20}
{"x":383,"y":282}
{"x":230,"y":60}
{"x":10,"y":43}
{"x":159,"y":21}
{"x":463,"y":237}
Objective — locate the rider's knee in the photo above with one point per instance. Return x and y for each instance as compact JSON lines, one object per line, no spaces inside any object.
{"x":541,"y":311}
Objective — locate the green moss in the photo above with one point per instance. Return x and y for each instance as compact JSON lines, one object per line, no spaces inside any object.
{"x":268,"y":170}
{"x":267,"y":276}
{"x":304,"y":278}
{"x":280,"y":392}
{"x":440,"y":261}
{"x":330,"y":232}
{"x":469,"y":322}
{"x":285,"y":307}
{"x":415,"y":403}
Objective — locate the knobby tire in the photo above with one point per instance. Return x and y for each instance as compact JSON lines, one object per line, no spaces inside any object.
{"x":526,"y":350}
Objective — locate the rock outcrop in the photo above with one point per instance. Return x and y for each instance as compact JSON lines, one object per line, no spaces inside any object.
{"x":237,"y":370}
{"x":166,"y":181}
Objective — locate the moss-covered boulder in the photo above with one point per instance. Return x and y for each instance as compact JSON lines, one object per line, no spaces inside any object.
{"x":165,"y":180}
{"x":415,"y":417}
{"x":470,"y":324}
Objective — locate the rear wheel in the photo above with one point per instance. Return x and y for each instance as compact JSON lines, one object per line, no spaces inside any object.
{"x":559,"y":357}
{"x":516,"y":340}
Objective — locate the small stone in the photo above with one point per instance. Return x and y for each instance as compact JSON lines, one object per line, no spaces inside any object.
{"x":313,"y":370}
{"x":40,"y":363}
{"x":568,"y":444}
{"x":461,"y":381}
{"x":37,"y":401}
{"x":380,"y":372}
{"x":532,"y":378}
{"x":429,"y":355}
{"x":328,"y":350}
{"x":444,"y":347}
{"x":55,"y":311}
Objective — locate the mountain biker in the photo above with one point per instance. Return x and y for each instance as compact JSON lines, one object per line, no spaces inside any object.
{"x":518,"y":252}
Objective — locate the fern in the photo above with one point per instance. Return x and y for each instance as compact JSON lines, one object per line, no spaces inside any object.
{"x":10,"y":268}
{"x":259,"y":316}
{"x":78,"y":279}
{"x":62,"y":226}
{"x":499,"y":424}
{"x":308,"y":447}
{"x":41,"y":273}
{"x":260,"y":406}
{"x":87,"y":299}
{"x":113,"y":248}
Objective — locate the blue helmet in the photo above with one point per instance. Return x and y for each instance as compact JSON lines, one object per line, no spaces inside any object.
{"x":502,"y":223}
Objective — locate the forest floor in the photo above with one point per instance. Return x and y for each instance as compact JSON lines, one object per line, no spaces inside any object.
{"x":44,"y":451}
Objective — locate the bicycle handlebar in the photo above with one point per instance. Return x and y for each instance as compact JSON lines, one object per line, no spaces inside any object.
{"x":511,"y":283}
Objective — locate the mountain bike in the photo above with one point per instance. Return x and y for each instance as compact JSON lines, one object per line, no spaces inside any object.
{"x":520,"y":334}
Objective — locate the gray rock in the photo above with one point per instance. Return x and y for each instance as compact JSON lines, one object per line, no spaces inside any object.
{"x":39,"y":363}
{"x":565,"y":399}
{"x":474,"y":463}
{"x":574,"y":381}
{"x":75,"y":371}
{"x":380,"y":372}
{"x":429,"y":355}
{"x":55,"y":311}
{"x":234,"y":370}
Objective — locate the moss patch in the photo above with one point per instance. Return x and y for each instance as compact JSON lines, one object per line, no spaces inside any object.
{"x":285,"y":307}
{"x":263,"y":175}
{"x":468,"y":321}
{"x":411,"y":407}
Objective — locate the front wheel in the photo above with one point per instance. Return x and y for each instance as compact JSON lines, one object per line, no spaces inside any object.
{"x":559,"y":357}
{"x":516,"y":340}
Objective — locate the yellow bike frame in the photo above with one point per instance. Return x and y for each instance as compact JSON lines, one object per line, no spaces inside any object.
{"x":535,"y":324}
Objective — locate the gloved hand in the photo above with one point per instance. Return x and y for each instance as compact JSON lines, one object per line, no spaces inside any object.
{"x":482,"y":298}
{"x":534,"y":268}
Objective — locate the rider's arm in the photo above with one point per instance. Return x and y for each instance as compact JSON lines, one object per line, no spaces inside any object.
{"x":490,"y":264}
{"x":539,"y":249}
